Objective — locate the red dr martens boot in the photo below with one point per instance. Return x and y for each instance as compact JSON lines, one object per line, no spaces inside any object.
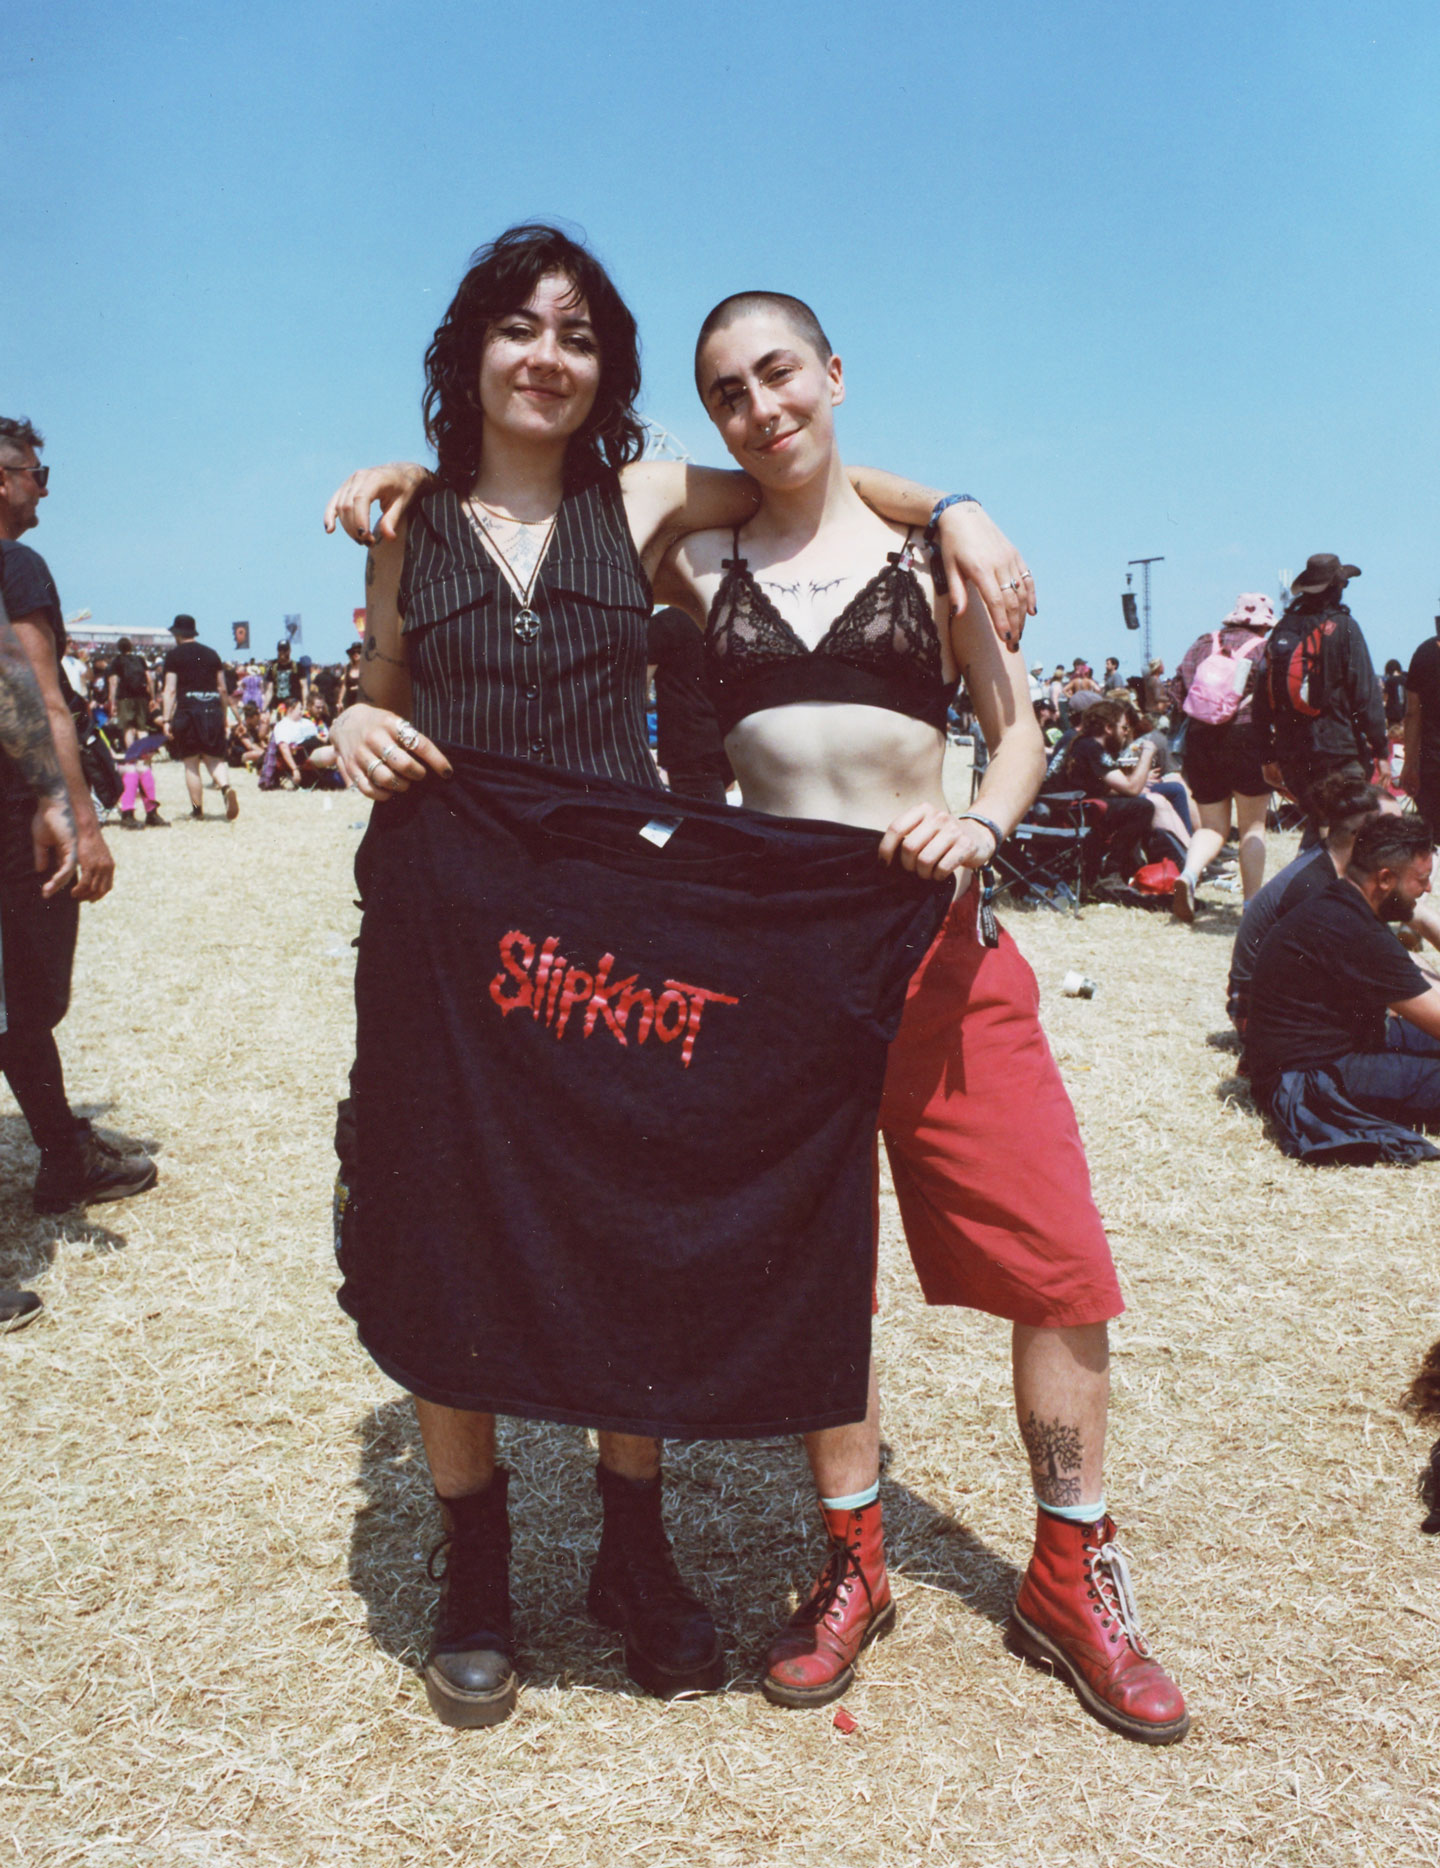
{"x":1076,"y":1612}
{"x":812,"y":1660}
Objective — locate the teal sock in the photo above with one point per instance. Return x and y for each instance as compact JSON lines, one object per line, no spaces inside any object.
{"x":857,"y":1501}
{"x":1075,"y":1514}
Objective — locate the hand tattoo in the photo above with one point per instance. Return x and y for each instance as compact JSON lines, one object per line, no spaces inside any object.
{"x":1056,"y":1457}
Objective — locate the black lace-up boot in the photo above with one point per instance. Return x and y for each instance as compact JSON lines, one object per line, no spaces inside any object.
{"x":469,"y":1672}
{"x":671,"y":1647}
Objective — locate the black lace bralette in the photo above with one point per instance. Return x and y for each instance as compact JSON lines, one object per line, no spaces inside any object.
{"x":882,"y":650}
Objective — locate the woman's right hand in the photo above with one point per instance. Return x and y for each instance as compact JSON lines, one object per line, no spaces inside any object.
{"x":381,"y":754}
{"x":394,"y":486}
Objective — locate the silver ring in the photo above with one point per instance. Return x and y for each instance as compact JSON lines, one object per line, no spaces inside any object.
{"x":1027,"y":577}
{"x":1012,"y":586}
{"x":406,"y":735}
{"x":370,"y":769}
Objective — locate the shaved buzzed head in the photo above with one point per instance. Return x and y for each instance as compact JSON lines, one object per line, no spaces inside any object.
{"x":796,"y":313}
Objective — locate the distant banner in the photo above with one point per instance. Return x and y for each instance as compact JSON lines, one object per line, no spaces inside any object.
{"x":358,"y":618}
{"x":241,"y":633}
{"x":292,"y":628}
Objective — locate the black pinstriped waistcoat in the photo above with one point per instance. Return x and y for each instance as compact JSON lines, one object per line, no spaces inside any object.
{"x":570,"y":693}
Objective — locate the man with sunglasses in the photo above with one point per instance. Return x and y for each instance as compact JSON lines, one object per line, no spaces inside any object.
{"x":39,"y":929}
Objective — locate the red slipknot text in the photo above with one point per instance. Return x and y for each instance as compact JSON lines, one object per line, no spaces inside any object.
{"x":543,"y":982}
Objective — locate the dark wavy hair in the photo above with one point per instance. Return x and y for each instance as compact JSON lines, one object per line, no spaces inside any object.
{"x":1389,"y":843}
{"x":501,"y":279}
{"x":18,"y":432}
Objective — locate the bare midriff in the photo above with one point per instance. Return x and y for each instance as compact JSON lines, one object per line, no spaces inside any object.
{"x":844,"y":762}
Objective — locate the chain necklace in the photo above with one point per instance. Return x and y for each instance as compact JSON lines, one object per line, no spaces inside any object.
{"x":527,"y":623}
{"x":508,"y":518}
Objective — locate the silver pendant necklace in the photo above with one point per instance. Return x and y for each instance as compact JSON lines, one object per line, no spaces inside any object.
{"x":527,"y":623}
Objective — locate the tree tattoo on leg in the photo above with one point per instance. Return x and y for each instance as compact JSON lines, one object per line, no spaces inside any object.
{"x":1056,"y":1458}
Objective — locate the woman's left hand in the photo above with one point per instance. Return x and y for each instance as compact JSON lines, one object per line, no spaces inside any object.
{"x":934,"y":842}
{"x":973,"y":547}
{"x":394,"y":486}
{"x":381,"y":754}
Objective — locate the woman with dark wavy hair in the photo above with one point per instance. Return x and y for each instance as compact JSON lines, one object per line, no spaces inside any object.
{"x":502,"y":276}
{"x":507,"y":613}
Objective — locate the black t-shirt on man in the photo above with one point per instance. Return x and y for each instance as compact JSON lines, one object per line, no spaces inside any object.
{"x":194,"y":667}
{"x":1322,"y":982}
{"x":28,"y":589}
{"x":1307,"y":875}
{"x":1086,"y":765}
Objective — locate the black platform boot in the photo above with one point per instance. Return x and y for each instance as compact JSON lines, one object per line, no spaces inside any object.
{"x":469,"y":1671}
{"x":671,"y":1647}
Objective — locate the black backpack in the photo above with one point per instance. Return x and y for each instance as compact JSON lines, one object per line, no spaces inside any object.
{"x":129,"y":671}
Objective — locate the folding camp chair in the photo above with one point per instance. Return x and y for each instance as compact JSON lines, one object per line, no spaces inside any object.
{"x":1045,"y":859}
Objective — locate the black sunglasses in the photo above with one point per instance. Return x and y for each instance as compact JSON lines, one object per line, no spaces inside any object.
{"x":42,"y":474}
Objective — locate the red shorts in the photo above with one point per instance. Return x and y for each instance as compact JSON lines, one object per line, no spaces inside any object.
{"x":986,"y":1157}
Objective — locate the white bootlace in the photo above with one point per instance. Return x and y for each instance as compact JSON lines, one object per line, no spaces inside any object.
{"x":1111,"y":1572}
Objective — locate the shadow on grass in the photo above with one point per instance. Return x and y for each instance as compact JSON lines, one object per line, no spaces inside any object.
{"x":741,"y":1516}
{"x":1219,"y":920}
{"x":29,"y":1240}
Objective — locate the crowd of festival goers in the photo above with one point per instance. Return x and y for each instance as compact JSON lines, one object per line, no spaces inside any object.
{"x":278,"y":721}
{"x":1265,"y":720}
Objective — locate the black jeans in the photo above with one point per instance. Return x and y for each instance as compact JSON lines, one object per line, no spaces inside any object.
{"x":37,"y":938}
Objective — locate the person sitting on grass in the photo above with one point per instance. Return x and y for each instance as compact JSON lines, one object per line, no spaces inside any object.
{"x":299,"y":743}
{"x":248,"y":739}
{"x":284,"y":754}
{"x":1347,"y":802}
{"x":1135,"y":820}
{"x":1339,"y":1078}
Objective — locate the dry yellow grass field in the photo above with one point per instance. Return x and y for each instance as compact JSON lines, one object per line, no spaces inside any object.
{"x":215,"y":1511}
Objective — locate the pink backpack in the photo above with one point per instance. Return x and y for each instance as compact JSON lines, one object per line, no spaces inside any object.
{"x":1215,"y":691}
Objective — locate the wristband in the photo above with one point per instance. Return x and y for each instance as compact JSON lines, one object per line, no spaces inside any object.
{"x":950,"y":499}
{"x":976,"y":818}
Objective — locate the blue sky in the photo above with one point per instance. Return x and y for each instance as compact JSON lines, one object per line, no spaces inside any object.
{"x":1150,"y":280}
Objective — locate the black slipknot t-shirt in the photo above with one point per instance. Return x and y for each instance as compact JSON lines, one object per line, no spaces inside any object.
{"x":619,"y":1061}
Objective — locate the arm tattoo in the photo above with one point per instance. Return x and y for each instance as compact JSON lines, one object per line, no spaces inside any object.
{"x":1056,"y":1456}
{"x":373,"y":652}
{"x":369,"y":569}
{"x":24,"y":722}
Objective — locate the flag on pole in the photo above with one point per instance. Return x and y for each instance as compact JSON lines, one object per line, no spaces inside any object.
{"x":292,"y":627}
{"x":358,"y":618}
{"x":241,"y":633}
